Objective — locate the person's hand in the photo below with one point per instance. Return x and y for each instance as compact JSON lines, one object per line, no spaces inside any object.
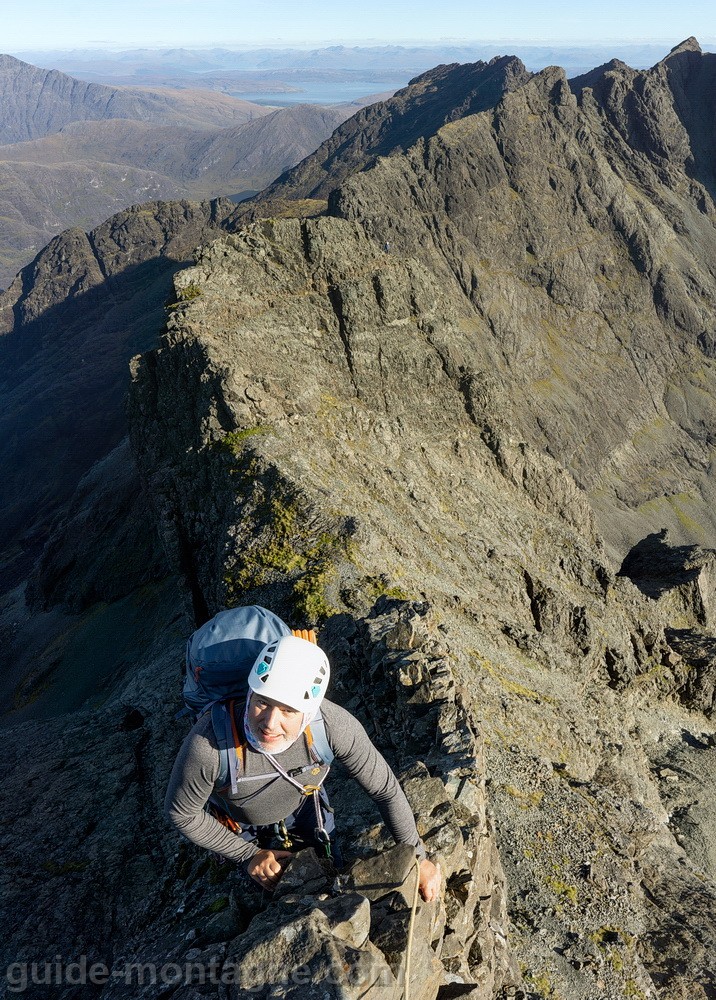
{"x":266,"y":867}
{"x":429,"y":884}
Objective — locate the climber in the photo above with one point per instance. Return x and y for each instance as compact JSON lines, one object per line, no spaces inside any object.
{"x":273,"y":799}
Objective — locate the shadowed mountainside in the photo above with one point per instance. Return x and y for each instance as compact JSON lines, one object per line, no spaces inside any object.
{"x":70,"y":322}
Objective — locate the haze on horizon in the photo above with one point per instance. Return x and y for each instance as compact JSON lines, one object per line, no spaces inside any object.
{"x":46,"y":25}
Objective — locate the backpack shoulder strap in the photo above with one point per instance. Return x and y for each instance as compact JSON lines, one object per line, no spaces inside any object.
{"x":230,"y":743}
{"x":317,"y":741}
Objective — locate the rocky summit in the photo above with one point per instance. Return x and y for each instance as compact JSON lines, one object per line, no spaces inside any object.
{"x":462,"y":422}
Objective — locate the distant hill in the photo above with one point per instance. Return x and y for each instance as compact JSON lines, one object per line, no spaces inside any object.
{"x":215,"y":161}
{"x":37,"y":201}
{"x":164,"y":65}
{"x":37,"y":102}
{"x":97,"y":150}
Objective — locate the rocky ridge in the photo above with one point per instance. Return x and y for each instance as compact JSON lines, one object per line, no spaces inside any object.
{"x":599,"y":314}
{"x":429,"y":494}
{"x":574,"y":213}
{"x":443,"y":94}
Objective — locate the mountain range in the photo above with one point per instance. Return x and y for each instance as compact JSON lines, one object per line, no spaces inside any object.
{"x":446,"y":391}
{"x":73,"y":153}
{"x":38,"y":102}
{"x":279,"y":64}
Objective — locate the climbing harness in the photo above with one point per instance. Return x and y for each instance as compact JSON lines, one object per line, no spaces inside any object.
{"x":321,"y":756}
{"x":320,"y":832}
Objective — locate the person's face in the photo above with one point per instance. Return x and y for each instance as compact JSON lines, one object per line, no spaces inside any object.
{"x":273,"y":724}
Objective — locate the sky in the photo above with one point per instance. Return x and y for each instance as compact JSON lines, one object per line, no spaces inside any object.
{"x":49,"y":24}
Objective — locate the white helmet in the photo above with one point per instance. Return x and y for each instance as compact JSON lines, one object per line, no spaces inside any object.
{"x":292,"y":671}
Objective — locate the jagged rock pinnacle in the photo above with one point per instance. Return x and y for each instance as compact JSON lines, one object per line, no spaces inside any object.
{"x":689,"y":44}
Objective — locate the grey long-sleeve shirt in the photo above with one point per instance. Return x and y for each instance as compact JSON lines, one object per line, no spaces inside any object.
{"x":265,"y":797}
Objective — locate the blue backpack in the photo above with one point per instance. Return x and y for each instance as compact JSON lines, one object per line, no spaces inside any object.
{"x":219,"y":658}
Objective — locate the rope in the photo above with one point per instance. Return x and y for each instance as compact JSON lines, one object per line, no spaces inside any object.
{"x":411,"y":928}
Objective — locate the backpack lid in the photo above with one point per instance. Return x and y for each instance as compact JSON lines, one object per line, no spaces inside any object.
{"x":221,"y":653}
